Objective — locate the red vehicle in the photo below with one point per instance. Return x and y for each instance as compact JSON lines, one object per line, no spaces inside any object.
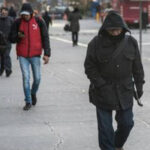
{"x":129,"y":9}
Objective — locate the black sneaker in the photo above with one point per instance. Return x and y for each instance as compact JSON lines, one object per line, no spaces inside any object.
{"x":8,"y":73}
{"x":1,"y":71}
{"x":34,"y":99}
{"x":27,"y":106}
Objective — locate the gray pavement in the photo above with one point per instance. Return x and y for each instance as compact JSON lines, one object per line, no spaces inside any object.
{"x":63,"y":119}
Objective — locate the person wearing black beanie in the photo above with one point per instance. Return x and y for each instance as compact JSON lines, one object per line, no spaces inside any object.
{"x":31,"y":35}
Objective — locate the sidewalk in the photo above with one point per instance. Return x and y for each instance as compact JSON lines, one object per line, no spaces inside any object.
{"x":63,"y":119}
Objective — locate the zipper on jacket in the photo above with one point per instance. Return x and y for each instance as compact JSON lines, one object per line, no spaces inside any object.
{"x":28,"y":39}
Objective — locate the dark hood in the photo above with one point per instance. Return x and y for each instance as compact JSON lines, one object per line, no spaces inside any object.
{"x":27,"y":7}
{"x":76,"y":10}
{"x":113,"y":20}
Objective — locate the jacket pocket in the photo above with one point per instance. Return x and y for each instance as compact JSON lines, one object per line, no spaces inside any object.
{"x":129,"y":57}
{"x":103,"y":61}
{"x":107,"y":94}
{"x":128,"y":86}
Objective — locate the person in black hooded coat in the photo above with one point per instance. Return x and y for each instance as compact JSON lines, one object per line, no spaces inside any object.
{"x":74,"y":18}
{"x":113,"y":65}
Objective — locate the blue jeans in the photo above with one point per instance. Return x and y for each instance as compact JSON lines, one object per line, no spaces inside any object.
{"x":108,"y":138}
{"x":36,"y":70}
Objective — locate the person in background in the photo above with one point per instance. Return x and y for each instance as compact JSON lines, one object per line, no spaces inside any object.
{"x":31,"y":35}
{"x":36,"y":13}
{"x":111,"y":85}
{"x":74,"y":18}
{"x":12,"y":13}
{"x":66,"y":13}
{"x":47,"y":18}
{"x":144,"y":18}
{"x":98,"y":10}
{"x":5,"y":27}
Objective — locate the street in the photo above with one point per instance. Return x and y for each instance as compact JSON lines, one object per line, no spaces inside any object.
{"x":63,"y":118}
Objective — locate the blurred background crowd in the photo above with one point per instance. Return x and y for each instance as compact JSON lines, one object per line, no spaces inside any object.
{"x":59,"y":9}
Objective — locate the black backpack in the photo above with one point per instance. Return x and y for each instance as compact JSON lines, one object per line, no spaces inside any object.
{"x":3,"y":43}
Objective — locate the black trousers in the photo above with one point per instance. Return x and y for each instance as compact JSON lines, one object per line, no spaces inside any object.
{"x":5,"y":60}
{"x":108,"y":138}
{"x":75,"y":38}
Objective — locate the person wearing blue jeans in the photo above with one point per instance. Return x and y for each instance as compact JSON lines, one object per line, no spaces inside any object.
{"x":31,"y":35}
{"x":25,"y":68}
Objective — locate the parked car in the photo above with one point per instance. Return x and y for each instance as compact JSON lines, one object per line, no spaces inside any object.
{"x":57,"y":12}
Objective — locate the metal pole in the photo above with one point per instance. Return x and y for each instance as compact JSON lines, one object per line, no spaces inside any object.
{"x":140,"y":26}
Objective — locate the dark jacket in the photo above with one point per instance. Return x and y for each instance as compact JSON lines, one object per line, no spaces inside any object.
{"x":5,"y":26}
{"x":43,"y":31}
{"x":74,"y":18}
{"x":47,"y":19}
{"x":12,"y":13}
{"x":144,"y":19}
{"x":111,"y":78}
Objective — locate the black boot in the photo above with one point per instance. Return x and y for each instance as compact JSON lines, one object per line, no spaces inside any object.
{"x":76,"y":44}
{"x":27,"y":106}
{"x":34,"y":99}
{"x":1,"y":71}
{"x":119,"y":149}
{"x":8,"y":73}
{"x":73,"y":44}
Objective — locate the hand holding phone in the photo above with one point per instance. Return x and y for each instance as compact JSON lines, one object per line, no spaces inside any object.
{"x":21,"y":34}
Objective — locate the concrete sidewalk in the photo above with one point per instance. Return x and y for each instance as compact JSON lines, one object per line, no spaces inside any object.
{"x":63,"y":119}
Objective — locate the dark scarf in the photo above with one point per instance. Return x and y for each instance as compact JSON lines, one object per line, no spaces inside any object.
{"x":109,"y":40}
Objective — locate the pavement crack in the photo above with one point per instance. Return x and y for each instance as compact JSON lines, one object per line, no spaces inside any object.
{"x":60,"y":139}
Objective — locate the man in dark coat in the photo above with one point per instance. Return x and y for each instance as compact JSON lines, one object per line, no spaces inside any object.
{"x":74,"y":18}
{"x":113,"y":65}
{"x":5,"y":27}
{"x":47,"y":18}
{"x":12,"y":13}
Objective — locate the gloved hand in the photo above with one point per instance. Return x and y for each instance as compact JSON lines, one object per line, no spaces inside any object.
{"x":139,"y":94}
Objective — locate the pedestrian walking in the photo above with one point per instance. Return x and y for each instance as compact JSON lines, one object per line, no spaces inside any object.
{"x":47,"y":18}
{"x":144,"y":18}
{"x":12,"y":13}
{"x":31,"y":35}
{"x":98,"y":10}
{"x":113,"y":65}
{"x":66,"y":13}
{"x":74,"y":25}
{"x":5,"y":27}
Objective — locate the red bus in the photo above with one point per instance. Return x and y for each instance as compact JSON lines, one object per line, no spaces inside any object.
{"x":129,"y":9}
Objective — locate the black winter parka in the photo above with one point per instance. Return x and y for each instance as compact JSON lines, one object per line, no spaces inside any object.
{"x":74,"y":18}
{"x":112,"y":80}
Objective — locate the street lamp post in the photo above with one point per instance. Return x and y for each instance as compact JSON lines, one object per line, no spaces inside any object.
{"x":140,"y":26}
